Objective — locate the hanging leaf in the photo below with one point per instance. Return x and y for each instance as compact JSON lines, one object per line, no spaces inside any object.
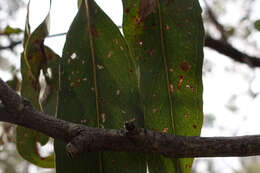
{"x":37,"y":57}
{"x":166,"y":41}
{"x":27,"y":139}
{"x":98,"y":89}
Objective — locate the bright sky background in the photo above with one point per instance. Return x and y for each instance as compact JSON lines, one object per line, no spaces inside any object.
{"x":219,"y":85}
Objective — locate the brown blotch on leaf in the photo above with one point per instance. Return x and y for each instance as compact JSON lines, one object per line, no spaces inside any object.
{"x":137,"y":20}
{"x":185,"y":66}
{"x":146,"y":8}
{"x":113,"y":161}
{"x":127,"y":10}
{"x":165,"y":130}
{"x":194,"y":126}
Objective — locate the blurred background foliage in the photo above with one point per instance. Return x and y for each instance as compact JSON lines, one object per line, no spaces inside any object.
{"x":231,"y":22}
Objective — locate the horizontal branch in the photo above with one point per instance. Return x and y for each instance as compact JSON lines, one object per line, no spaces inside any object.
{"x":79,"y":138}
{"x":230,"y":51}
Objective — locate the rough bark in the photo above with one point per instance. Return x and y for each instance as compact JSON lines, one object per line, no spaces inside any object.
{"x":15,"y":109}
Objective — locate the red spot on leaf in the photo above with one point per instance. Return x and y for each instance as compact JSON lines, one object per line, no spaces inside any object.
{"x":194,"y":126}
{"x":103,"y":100}
{"x":137,"y":20}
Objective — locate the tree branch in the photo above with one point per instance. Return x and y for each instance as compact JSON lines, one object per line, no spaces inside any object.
{"x":11,"y":45}
{"x":15,"y":109}
{"x":230,"y":51}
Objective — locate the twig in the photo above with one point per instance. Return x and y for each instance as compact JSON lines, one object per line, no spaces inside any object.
{"x":214,"y":20}
{"x":230,"y":51}
{"x":11,"y":45}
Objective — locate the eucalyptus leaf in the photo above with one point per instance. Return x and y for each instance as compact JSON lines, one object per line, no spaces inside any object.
{"x":166,"y":42}
{"x":34,"y":59}
{"x":98,"y":88}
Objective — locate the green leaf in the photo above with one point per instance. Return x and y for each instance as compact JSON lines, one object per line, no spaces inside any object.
{"x":257,"y":24}
{"x":166,"y":41}
{"x":37,"y":57}
{"x":27,"y":139}
{"x":9,"y":30}
{"x":99,"y":89}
